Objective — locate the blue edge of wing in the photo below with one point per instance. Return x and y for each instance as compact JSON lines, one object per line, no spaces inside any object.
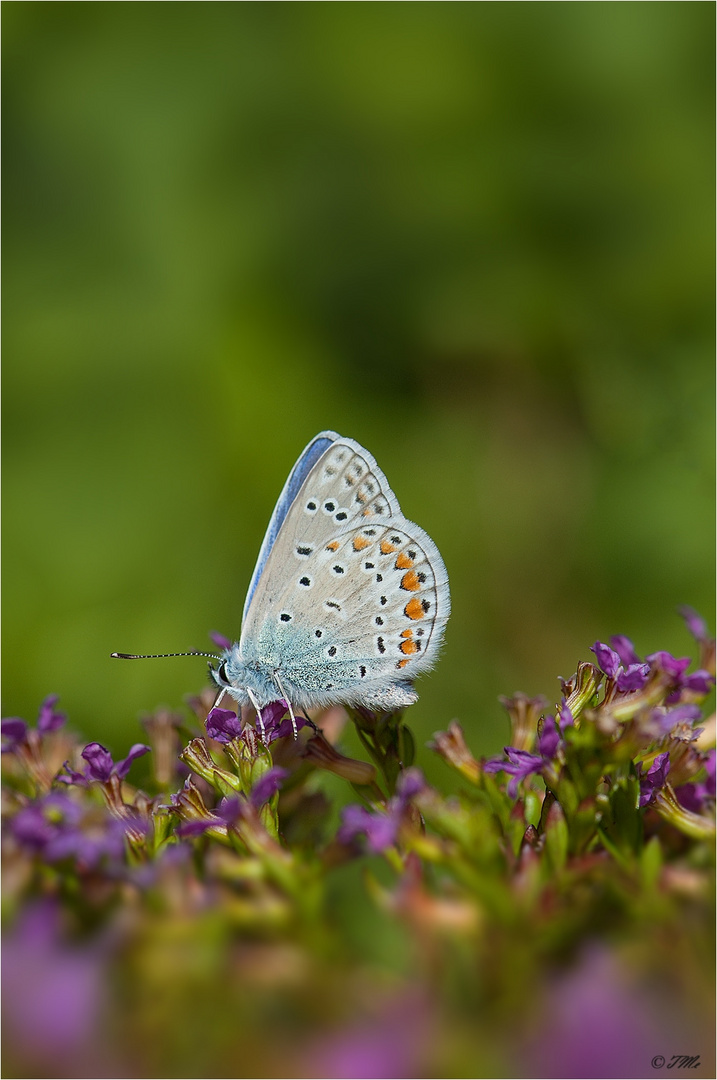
{"x":298,"y":474}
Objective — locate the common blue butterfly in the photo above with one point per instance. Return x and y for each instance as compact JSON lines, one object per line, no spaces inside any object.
{"x":348,"y":601}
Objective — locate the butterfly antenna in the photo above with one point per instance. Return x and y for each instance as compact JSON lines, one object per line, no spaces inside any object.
{"x":283,"y":693}
{"x":260,"y":718}
{"x":160,"y":656}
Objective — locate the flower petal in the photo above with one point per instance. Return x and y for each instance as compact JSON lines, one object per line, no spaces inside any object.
{"x":654,"y":779}
{"x":700,"y":681}
{"x":223,"y":725}
{"x":137,"y":751}
{"x":695,"y":623}
{"x":634,"y":678}
{"x":99,"y":762}
{"x":48,"y":720}
{"x":669,"y":663}
{"x":267,"y":786}
{"x":624,"y":649}
{"x":14,"y":730}
{"x":607,"y":658}
{"x":549,"y":738}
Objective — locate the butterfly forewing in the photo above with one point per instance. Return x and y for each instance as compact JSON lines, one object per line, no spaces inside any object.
{"x":344,"y":486}
{"x":311,"y":454}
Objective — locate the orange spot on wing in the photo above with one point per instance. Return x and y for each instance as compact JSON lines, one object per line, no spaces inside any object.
{"x":361,"y":542}
{"x":403,"y":562}
{"x":407,"y":633}
{"x":387,"y":547}
{"x":401,"y":663}
{"x":414,"y":608}
{"x":408,"y":648}
{"x":410,"y":581}
{"x":333,"y":546}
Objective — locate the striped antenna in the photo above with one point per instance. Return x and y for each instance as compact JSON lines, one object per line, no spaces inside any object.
{"x":160,"y":656}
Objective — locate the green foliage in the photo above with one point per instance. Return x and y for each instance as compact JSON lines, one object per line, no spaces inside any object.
{"x":237,"y":931}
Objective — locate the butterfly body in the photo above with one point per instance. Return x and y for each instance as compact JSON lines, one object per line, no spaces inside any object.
{"x":348,"y":601}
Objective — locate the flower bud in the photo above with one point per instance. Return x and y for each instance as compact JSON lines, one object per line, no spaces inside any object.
{"x":695,"y":825}
{"x":162,"y":729}
{"x":451,"y":745}
{"x":200,"y":761}
{"x":580,"y":689}
{"x":324,"y":756}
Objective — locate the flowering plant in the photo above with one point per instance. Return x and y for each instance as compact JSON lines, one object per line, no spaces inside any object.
{"x":509,"y":928}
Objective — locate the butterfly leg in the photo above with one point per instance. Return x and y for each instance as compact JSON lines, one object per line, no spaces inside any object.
{"x":283,"y":693}
{"x":259,"y":717}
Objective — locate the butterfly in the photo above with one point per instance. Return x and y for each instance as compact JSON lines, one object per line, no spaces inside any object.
{"x":348,"y":601}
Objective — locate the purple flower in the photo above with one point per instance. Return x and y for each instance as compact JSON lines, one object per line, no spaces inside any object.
{"x":381,"y":827}
{"x":520,"y":764}
{"x":220,"y":640}
{"x":14,"y":732}
{"x":395,"y":1042}
{"x":593,"y":1021}
{"x":92,"y":844}
{"x":229,"y":810}
{"x":654,"y":779}
{"x":223,"y":725}
{"x":710,"y":784}
{"x":409,"y":784}
{"x":667,"y":720}
{"x":549,"y":738}
{"x":100,"y":766}
{"x":53,"y":997}
{"x":690,"y":798}
{"x":49,"y":720}
{"x":695,"y":623}
{"x":565,"y":717}
{"x":698,"y":682}
{"x":38,"y":824}
{"x":267,"y":786}
{"x":275,"y":726}
{"x":633,"y":677}
{"x":607,"y":658}
{"x":57,"y":828}
{"x":624,"y":649}
{"x":694,"y":797}
{"x":668,"y":663}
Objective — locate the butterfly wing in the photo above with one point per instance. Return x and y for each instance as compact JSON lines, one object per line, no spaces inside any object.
{"x":349,"y":600}
{"x":307,"y":459}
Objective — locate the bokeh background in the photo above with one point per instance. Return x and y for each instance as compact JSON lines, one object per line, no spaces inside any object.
{"x":478,"y":238}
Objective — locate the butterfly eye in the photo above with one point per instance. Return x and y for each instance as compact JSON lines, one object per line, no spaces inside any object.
{"x":222,"y":673}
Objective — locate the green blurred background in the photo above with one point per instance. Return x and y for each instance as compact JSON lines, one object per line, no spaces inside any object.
{"x":477,"y":237}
